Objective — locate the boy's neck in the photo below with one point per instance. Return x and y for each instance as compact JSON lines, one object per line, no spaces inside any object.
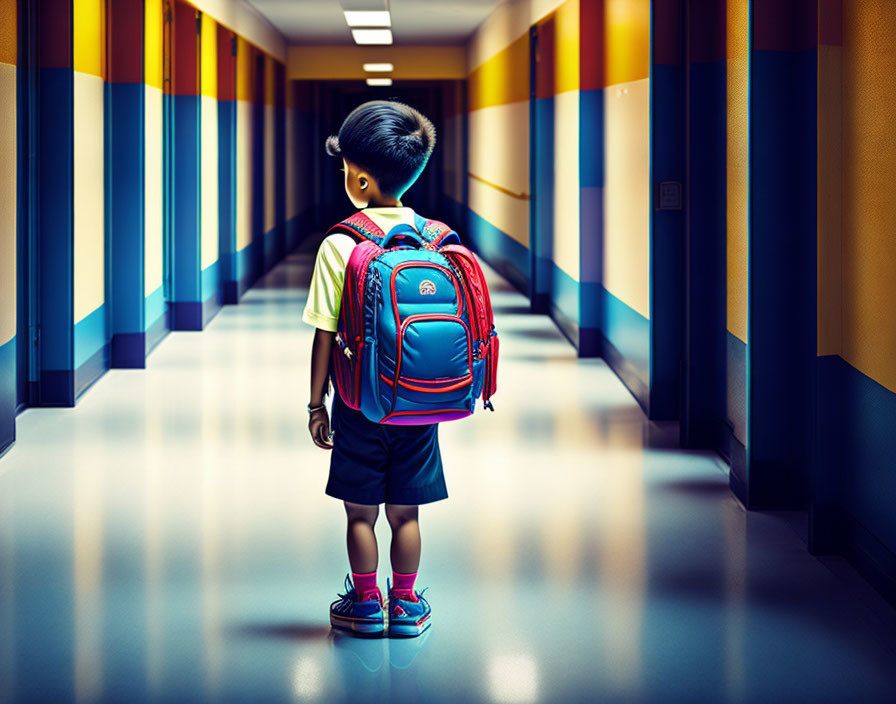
{"x":385,"y":203}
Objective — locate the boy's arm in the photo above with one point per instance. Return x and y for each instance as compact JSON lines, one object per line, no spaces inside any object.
{"x":319,"y":421}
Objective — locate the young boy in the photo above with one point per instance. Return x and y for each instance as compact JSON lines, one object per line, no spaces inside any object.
{"x":384,"y":147}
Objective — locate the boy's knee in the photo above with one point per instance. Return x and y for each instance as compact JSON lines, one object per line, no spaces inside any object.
{"x":399,"y":515}
{"x":361,"y":513}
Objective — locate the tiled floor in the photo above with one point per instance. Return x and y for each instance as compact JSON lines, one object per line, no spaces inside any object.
{"x":169,"y":540}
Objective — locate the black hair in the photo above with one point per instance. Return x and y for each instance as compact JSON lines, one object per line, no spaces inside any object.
{"x":390,"y":140}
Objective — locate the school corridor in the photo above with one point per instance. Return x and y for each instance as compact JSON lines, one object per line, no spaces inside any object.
{"x":684,"y":210}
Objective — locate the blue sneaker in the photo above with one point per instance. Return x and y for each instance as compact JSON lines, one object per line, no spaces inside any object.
{"x":362,"y":614}
{"x":408,"y":618}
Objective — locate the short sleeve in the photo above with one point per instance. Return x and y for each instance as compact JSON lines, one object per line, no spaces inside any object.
{"x":325,"y":293}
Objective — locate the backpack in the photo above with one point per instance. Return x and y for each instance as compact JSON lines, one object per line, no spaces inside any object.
{"x":416,"y":341}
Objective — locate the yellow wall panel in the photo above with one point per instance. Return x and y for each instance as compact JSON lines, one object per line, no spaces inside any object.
{"x":627,"y":40}
{"x":869,"y":199}
{"x":566,"y":64}
{"x":8,"y":191}
{"x":502,"y":79}
{"x":89,"y":195}
{"x":152,"y":43}
{"x":88,"y":19}
{"x":347,"y":62}
{"x":208,"y":70}
{"x":737,"y":165}
{"x":245,"y":69}
{"x":566,"y":183}
{"x":8,"y":25}
{"x":153,"y":189}
{"x":627,"y":194}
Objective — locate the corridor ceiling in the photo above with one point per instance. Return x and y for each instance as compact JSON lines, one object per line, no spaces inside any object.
{"x":413,"y":21}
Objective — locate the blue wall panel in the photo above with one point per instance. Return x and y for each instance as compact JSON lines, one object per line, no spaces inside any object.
{"x":124,"y":202}
{"x":7,"y":394}
{"x":227,"y":199}
{"x":782,"y":273}
{"x":56,"y":223}
{"x":499,"y":249}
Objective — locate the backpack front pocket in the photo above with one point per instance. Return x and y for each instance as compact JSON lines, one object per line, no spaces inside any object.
{"x":434,"y":365}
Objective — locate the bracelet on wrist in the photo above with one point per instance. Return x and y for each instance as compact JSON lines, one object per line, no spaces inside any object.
{"x":315,"y":409}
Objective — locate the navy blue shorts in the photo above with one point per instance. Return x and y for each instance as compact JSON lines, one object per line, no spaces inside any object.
{"x":372,"y":463}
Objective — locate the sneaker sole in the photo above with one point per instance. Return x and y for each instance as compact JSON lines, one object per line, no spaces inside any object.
{"x":409,"y":630}
{"x":366,"y":628}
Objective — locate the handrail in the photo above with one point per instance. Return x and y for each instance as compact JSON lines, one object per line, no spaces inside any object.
{"x":505,"y":191}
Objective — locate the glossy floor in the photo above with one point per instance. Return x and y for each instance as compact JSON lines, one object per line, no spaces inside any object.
{"x":169,"y":540}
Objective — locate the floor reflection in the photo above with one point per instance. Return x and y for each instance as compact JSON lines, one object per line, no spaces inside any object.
{"x":169,"y":540}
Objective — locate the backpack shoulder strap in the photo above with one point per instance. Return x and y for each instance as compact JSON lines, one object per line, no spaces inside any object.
{"x":360,"y":227}
{"x":435,"y":233}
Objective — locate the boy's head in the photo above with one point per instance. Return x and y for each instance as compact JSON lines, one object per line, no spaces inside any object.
{"x":385,"y":145}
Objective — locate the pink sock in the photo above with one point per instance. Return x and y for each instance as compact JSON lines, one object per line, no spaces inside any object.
{"x":364,"y":584}
{"x":404,"y":584}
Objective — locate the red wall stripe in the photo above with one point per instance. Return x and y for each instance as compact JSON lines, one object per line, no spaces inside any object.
{"x":185,"y":52}
{"x":667,"y":32}
{"x":125,"y":36}
{"x":55,"y":34}
{"x":707,"y":30}
{"x":785,"y":26}
{"x":830,"y":22}
{"x":226,"y":64}
{"x":592,"y":74}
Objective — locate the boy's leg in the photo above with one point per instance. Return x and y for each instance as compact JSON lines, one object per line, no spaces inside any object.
{"x":405,"y":550}
{"x":360,"y":538}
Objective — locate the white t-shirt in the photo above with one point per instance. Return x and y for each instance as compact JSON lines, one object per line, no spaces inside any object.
{"x":325,"y":293}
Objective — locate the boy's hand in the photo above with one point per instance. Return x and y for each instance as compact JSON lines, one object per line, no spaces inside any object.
{"x":319,"y":427}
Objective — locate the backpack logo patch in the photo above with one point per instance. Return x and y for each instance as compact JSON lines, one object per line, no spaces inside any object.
{"x":427,"y":288}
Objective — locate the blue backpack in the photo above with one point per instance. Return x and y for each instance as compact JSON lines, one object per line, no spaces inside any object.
{"x":416,"y":340}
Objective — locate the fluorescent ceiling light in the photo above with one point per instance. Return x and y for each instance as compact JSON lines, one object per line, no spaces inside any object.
{"x":372,"y":36}
{"x":378,"y":67}
{"x":368,"y":18}
{"x":379,"y":81}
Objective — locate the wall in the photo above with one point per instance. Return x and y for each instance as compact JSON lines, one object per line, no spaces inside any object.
{"x":737,"y":66}
{"x":91,"y":335}
{"x":107,"y":268}
{"x":208,"y":160}
{"x":155,"y":309}
{"x":8,"y":221}
{"x":590,"y":183}
{"x":625,"y":308}
{"x":856,"y":275}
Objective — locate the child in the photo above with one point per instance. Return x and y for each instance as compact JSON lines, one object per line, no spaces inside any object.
{"x":384,"y":147}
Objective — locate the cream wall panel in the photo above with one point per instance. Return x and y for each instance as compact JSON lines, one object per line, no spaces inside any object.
{"x":510,"y":215}
{"x":292,"y":205}
{"x":499,"y":145}
{"x":627,"y":194}
{"x":243,"y":173}
{"x":89,"y":190}
{"x":8,"y":190}
{"x":270,"y":172}
{"x":566,"y":182}
{"x":209,"y":183}
{"x":153,"y":248}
